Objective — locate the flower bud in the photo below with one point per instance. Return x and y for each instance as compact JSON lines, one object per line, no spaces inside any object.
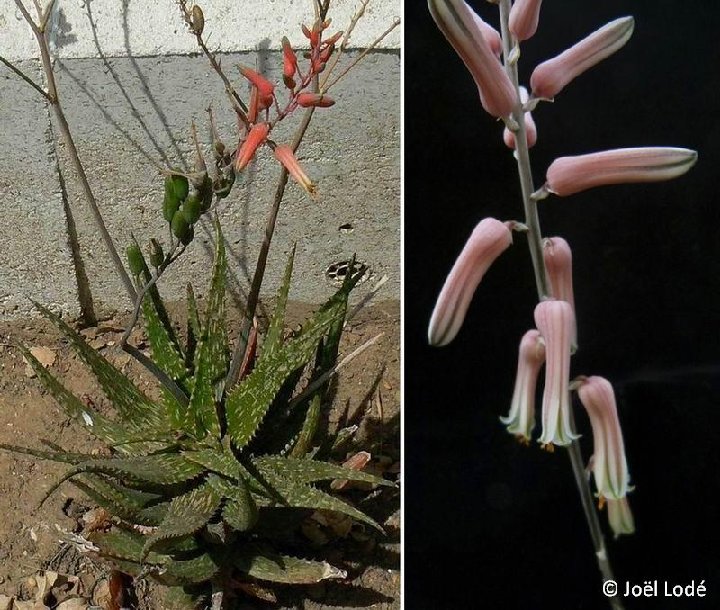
{"x":530,"y":127}
{"x":457,"y":23}
{"x":569,"y":175}
{"x":314,"y":99}
{"x":198,"y":20}
{"x":551,"y":76}
{"x":135,"y":259}
{"x":521,"y":419}
{"x":524,"y":17}
{"x":286,"y":156}
{"x":555,"y":321}
{"x":156,"y":254}
{"x":489,"y":239}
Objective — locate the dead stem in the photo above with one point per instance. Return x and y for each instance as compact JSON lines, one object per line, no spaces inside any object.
{"x":52,"y":97}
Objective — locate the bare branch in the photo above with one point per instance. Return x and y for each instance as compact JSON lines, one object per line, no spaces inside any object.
{"x":359,"y":58}
{"x":25,"y":77}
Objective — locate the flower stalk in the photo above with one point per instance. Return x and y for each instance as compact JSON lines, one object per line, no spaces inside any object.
{"x":535,"y":244}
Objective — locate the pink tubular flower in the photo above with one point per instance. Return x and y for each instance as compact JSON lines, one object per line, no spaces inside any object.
{"x":551,"y":76}
{"x":489,"y":33}
{"x":524,"y":17}
{"x":521,"y":419}
{"x":569,"y":175}
{"x":555,"y":320}
{"x":489,"y":239}
{"x":609,"y":465}
{"x":530,"y":127}
{"x":620,"y":517}
{"x":286,"y":156}
{"x":257,"y":135}
{"x":457,"y":22}
{"x":558,"y":264}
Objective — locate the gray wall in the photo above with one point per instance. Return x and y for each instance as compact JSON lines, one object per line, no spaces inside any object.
{"x":130,"y":114}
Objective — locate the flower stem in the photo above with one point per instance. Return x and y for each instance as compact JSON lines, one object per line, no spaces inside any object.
{"x":534,"y":234}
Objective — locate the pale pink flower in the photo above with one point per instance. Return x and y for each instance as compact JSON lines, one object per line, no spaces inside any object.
{"x":551,"y":76}
{"x":620,"y":517}
{"x":531,"y":356}
{"x":558,"y":264}
{"x":569,"y":175}
{"x":609,"y":465}
{"x":530,"y":127}
{"x":555,"y":321}
{"x":489,"y":239}
{"x":457,"y":22}
{"x":524,"y":17}
{"x":489,"y":33}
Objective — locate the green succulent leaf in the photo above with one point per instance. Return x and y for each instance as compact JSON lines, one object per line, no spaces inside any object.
{"x":191,"y":571}
{"x":240,"y":510}
{"x":284,"y":569}
{"x":125,"y":439}
{"x":124,"y":544}
{"x":303,"y":443}
{"x":187,"y":514}
{"x":296,"y":494}
{"x":273,"y":337}
{"x":211,"y":359}
{"x":120,"y":501}
{"x":132,"y":405}
{"x":158,"y":469}
{"x":218,"y":460}
{"x":248,"y":403}
{"x":52,"y":456}
{"x":310,"y":471}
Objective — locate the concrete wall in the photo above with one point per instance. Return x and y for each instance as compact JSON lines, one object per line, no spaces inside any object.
{"x":131,"y":82}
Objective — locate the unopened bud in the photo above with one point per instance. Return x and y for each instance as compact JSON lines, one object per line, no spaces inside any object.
{"x":198,"y":20}
{"x":314,"y":99}
{"x":156,"y":254}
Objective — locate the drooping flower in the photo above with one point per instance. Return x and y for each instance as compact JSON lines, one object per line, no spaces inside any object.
{"x":531,"y":356}
{"x":569,"y":175}
{"x":489,"y":239}
{"x":286,"y":156}
{"x":530,"y":127}
{"x":457,"y":22}
{"x":620,"y":517}
{"x":609,"y":465}
{"x":551,"y":76}
{"x":524,"y":17}
{"x":555,"y":321}
{"x":266,"y":90}
{"x":558,"y":264}
{"x":257,"y":135}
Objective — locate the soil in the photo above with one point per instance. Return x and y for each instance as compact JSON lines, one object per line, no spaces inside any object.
{"x":368,"y":394}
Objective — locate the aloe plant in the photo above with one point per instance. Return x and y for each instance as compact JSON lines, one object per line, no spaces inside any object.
{"x":192,"y":477}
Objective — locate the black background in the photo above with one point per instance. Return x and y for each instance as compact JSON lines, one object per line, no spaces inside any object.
{"x":490,"y":523}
